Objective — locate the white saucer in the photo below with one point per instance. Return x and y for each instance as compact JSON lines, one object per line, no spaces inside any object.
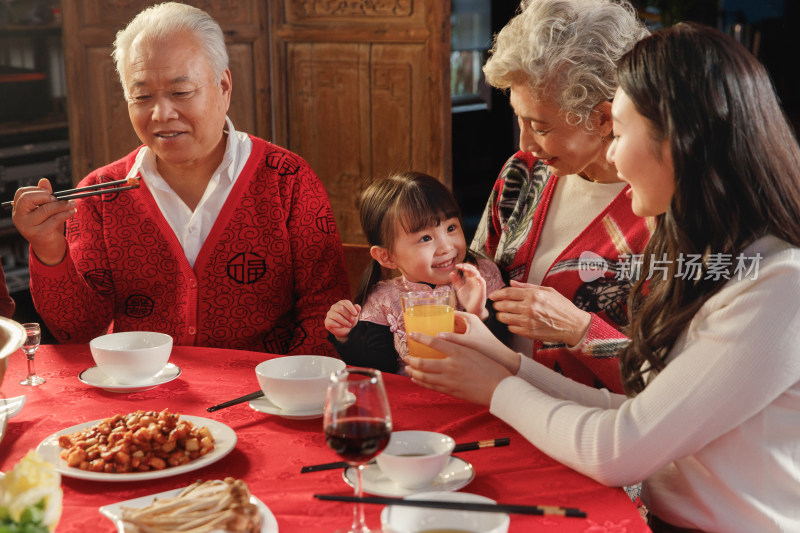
{"x":94,"y":377}
{"x":457,"y":474}
{"x":263,"y":405}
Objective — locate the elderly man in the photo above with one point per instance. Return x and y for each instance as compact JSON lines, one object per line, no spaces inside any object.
{"x":229,"y":241}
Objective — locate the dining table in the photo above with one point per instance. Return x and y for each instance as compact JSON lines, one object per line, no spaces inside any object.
{"x":270,"y":449}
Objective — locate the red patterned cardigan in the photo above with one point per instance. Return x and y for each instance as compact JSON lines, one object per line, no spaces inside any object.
{"x":264,"y":279}
{"x":509,"y":232}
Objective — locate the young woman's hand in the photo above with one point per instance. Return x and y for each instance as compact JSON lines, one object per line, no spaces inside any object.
{"x":470,"y":289}
{"x":540,"y":313}
{"x":475,"y":361}
{"x":341,"y":318}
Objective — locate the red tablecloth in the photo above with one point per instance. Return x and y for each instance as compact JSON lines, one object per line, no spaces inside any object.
{"x":271,"y":450}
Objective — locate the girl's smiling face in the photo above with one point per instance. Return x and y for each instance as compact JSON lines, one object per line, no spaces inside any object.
{"x":427,"y":255}
{"x":640,"y":160}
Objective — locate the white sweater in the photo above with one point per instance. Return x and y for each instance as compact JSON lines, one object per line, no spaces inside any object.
{"x":716,"y":435}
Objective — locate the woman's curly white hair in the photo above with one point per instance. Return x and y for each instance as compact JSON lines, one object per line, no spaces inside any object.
{"x":567,"y":49}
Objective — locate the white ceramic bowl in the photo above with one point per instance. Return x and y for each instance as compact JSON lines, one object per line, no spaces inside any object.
{"x":401,"y":519}
{"x":12,"y":337}
{"x":131,"y":357}
{"x":297,"y":383}
{"x":413,"y":459}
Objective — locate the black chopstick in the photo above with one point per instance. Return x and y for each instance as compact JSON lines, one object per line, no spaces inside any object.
{"x":540,"y":510}
{"x":464,"y":447}
{"x":91,"y":190}
{"x":245,"y":398}
{"x":96,"y":186}
{"x":95,"y":193}
{"x":478,"y":444}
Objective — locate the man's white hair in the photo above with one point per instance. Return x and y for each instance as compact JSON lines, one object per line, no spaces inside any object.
{"x":168,"y":18}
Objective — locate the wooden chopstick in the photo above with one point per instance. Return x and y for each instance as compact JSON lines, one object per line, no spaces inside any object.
{"x":463,"y":447}
{"x":540,"y":510}
{"x":96,"y":189}
{"x":240,"y":399}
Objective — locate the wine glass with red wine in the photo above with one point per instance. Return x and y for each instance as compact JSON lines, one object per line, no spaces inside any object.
{"x":358,"y":423}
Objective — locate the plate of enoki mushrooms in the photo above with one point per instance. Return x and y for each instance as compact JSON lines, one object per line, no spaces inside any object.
{"x":203,"y":507}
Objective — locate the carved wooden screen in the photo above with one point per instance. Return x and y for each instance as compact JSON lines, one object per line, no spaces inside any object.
{"x":100,"y":130}
{"x":361,"y":89}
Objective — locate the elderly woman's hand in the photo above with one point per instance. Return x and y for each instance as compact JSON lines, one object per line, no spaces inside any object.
{"x":40,"y":219}
{"x":475,"y":361}
{"x":540,"y":313}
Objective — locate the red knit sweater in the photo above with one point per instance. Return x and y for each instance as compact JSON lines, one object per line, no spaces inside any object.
{"x":509,"y":232}
{"x":263,"y":280}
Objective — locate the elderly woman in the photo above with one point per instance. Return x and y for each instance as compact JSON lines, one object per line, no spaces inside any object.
{"x":228,"y":242}
{"x":559,"y":220}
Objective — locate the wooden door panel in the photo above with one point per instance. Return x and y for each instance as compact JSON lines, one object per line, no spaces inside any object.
{"x":362,"y":90}
{"x":399,"y":109}
{"x":370,"y":11}
{"x":242,"y":111}
{"x":112,"y":135}
{"x":117,"y":13}
{"x":328,"y":106}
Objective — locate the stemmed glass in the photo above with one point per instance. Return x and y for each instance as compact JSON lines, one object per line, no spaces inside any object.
{"x":358,"y":423}
{"x":34,"y":336}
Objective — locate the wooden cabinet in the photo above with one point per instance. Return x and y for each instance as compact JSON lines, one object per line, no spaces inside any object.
{"x":357,"y":88}
{"x":361,"y":90}
{"x":100,"y":130}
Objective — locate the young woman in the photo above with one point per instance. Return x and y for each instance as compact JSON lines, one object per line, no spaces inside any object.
{"x":712,"y":372}
{"x":413,"y":225}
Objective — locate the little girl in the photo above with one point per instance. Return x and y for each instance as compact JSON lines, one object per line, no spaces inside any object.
{"x":413,"y":224}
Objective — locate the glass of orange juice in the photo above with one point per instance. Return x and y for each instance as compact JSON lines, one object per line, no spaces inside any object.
{"x":428,"y":312}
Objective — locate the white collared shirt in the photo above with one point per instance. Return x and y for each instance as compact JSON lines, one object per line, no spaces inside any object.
{"x":192,"y":227}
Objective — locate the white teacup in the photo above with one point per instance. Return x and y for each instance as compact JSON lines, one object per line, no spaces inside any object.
{"x":402,"y":519}
{"x":297,"y":383}
{"x":131,"y":357}
{"x":413,"y":459}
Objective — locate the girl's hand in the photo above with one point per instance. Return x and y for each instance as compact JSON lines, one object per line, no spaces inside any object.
{"x":470,"y":289}
{"x":341,"y":318}
{"x":475,"y":361}
{"x":540,"y":313}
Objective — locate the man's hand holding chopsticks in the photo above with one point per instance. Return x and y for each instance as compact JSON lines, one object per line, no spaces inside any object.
{"x":40,"y":218}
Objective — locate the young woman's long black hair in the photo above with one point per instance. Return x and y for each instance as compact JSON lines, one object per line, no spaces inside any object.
{"x":737,"y":174}
{"x":411,"y":200}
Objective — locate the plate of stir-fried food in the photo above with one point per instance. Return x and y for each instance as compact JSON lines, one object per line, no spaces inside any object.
{"x":138,"y":446}
{"x":203,"y":507}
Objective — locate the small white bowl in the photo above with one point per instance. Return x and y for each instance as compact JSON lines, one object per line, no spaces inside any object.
{"x":413,"y":459}
{"x":297,"y":383}
{"x":131,"y":357}
{"x":402,"y":519}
